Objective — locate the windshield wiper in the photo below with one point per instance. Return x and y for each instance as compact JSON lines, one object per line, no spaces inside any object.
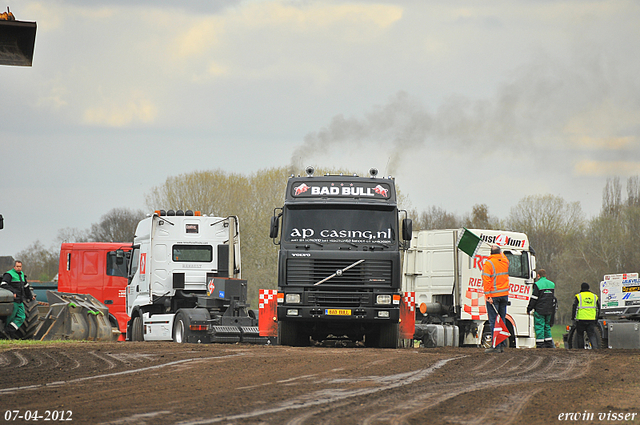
{"x":339,"y":272}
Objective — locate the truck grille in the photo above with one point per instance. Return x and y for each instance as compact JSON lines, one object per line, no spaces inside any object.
{"x":337,"y":299}
{"x":308,"y":271}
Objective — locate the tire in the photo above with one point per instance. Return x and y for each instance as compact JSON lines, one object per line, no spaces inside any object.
{"x":573,"y":338}
{"x":31,"y":322}
{"x":389,"y":335}
{"x":487,"y":337}
{"x":181,"y":330}
{"x":136,"y":329}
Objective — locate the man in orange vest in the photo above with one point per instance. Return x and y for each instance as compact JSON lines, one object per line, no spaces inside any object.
{"x":495,"y":280}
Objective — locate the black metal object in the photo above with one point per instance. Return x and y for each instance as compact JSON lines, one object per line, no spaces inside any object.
{"x":17,"y":42}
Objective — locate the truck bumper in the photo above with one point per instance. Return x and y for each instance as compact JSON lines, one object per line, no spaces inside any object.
{"x":334,"y":314}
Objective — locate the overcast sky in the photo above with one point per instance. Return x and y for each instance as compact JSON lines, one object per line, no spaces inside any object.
{"x":464,"y":102}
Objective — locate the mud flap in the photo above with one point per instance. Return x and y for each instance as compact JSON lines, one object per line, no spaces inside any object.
{"x":268,"y":313}
{"x":17,"y":41}
{"x":75,"y":316}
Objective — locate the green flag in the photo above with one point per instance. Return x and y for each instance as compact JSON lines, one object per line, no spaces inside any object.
{"x":468,"y":242}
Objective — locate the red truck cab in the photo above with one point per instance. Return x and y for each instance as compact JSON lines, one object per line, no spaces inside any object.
{"x":98,"y":269}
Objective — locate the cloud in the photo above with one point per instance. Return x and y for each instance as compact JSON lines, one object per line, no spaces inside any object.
{"x":607,"y":168}
{"x":116,"y":113}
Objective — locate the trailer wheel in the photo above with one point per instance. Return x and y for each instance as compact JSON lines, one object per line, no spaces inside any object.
{"x":181,"y":328}
{"x":389,"y":335}
{"x":31,"y":322}
{"x":136,"y":329}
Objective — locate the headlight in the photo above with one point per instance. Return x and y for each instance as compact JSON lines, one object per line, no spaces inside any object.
{"x":383,"y":299}
{"x":292,"y":312}
{"x":383,"y":314}
{"x":292,"y":299}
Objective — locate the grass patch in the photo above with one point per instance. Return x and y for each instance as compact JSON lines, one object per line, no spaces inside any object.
{"x":556,"y":333}
{"x":19,"y":343}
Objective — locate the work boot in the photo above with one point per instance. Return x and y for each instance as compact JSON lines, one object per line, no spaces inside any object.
{"x":540,"y":344}
{"x":11,"y":331}
{"x":549,"y":344}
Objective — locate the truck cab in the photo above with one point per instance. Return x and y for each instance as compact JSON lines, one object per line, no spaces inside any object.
{"x":448,"y":283}
{"x":339,"y":271}
{"x":98,"y":269}
{"x":185,"y":281}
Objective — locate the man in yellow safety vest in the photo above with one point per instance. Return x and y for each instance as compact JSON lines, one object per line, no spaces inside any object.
{"x":585,"y":313}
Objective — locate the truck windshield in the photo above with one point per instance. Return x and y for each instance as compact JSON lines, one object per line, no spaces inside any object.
{"x":113,"y":268}
{"x":193,"y":253}
{"x":334,"y":224}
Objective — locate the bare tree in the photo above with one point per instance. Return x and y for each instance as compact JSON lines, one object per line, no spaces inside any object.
{"x":38,"y":262}
{"x":252,"y":198}
{"x":612,"y":197}
{"x":118,"y":225}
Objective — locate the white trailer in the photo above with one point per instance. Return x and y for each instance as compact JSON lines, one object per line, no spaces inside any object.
{"x":184,"y":281}
{"x":619,"y":321}
{"x":448,"y":284}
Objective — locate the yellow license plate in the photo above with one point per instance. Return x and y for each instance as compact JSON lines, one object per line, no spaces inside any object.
{"x":337,"y":312}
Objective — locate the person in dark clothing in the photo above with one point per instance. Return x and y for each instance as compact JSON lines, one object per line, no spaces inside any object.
{"x":543,"y":306}
{"x":15,"y":281}
{"x":585,"y":312}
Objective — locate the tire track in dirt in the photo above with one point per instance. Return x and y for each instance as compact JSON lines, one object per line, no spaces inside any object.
{"x":114,"y":374}
{"x":330,"y":396}
{"x":522,"y":370}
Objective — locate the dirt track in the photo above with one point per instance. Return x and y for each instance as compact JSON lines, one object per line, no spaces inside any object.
{"x":167,"y":383}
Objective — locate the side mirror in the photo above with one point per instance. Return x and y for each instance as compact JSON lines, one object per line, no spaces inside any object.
{"x":119,"y":257}
{"x":273,"y":232}
{"x":1,"y":222}
{"x":407,"y":229}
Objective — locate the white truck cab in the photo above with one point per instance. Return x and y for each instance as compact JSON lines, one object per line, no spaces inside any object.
{"x":184,"y":280}
{"x":448,"y":283}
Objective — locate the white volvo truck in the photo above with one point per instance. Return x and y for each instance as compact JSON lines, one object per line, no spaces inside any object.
{"x":448,"y":285}
{"x":184,"y":281}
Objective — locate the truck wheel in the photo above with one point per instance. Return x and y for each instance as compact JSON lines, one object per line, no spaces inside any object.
{"x":31,"y":322}
{"x":181,"y":328}
{"x":389,"y":335}
{"x":487,"y":336}
{"x":573,"y":338}
{"x":136,"y":329}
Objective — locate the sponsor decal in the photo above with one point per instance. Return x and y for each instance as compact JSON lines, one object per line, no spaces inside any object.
{"x":340,"y":235}
{"x":503,"y":240}
{"x":300,"y":254}
{"x":352,"y":190}
{"x":478,"y":261}
{"x":143,"y":263}
{"x":475,"y":285}
{"x":211,"y":286}
{"x":519,"y":292}
{"x":191,"y":228}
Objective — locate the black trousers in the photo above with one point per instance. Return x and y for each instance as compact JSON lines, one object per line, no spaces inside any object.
{"x":588,"y":326}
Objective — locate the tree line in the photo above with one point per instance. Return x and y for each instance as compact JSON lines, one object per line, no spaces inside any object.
{"x":571,"y":247}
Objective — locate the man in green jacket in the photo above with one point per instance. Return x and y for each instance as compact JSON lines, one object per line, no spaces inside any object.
{"x":15,"y":281}
{"x":542,"y":302}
